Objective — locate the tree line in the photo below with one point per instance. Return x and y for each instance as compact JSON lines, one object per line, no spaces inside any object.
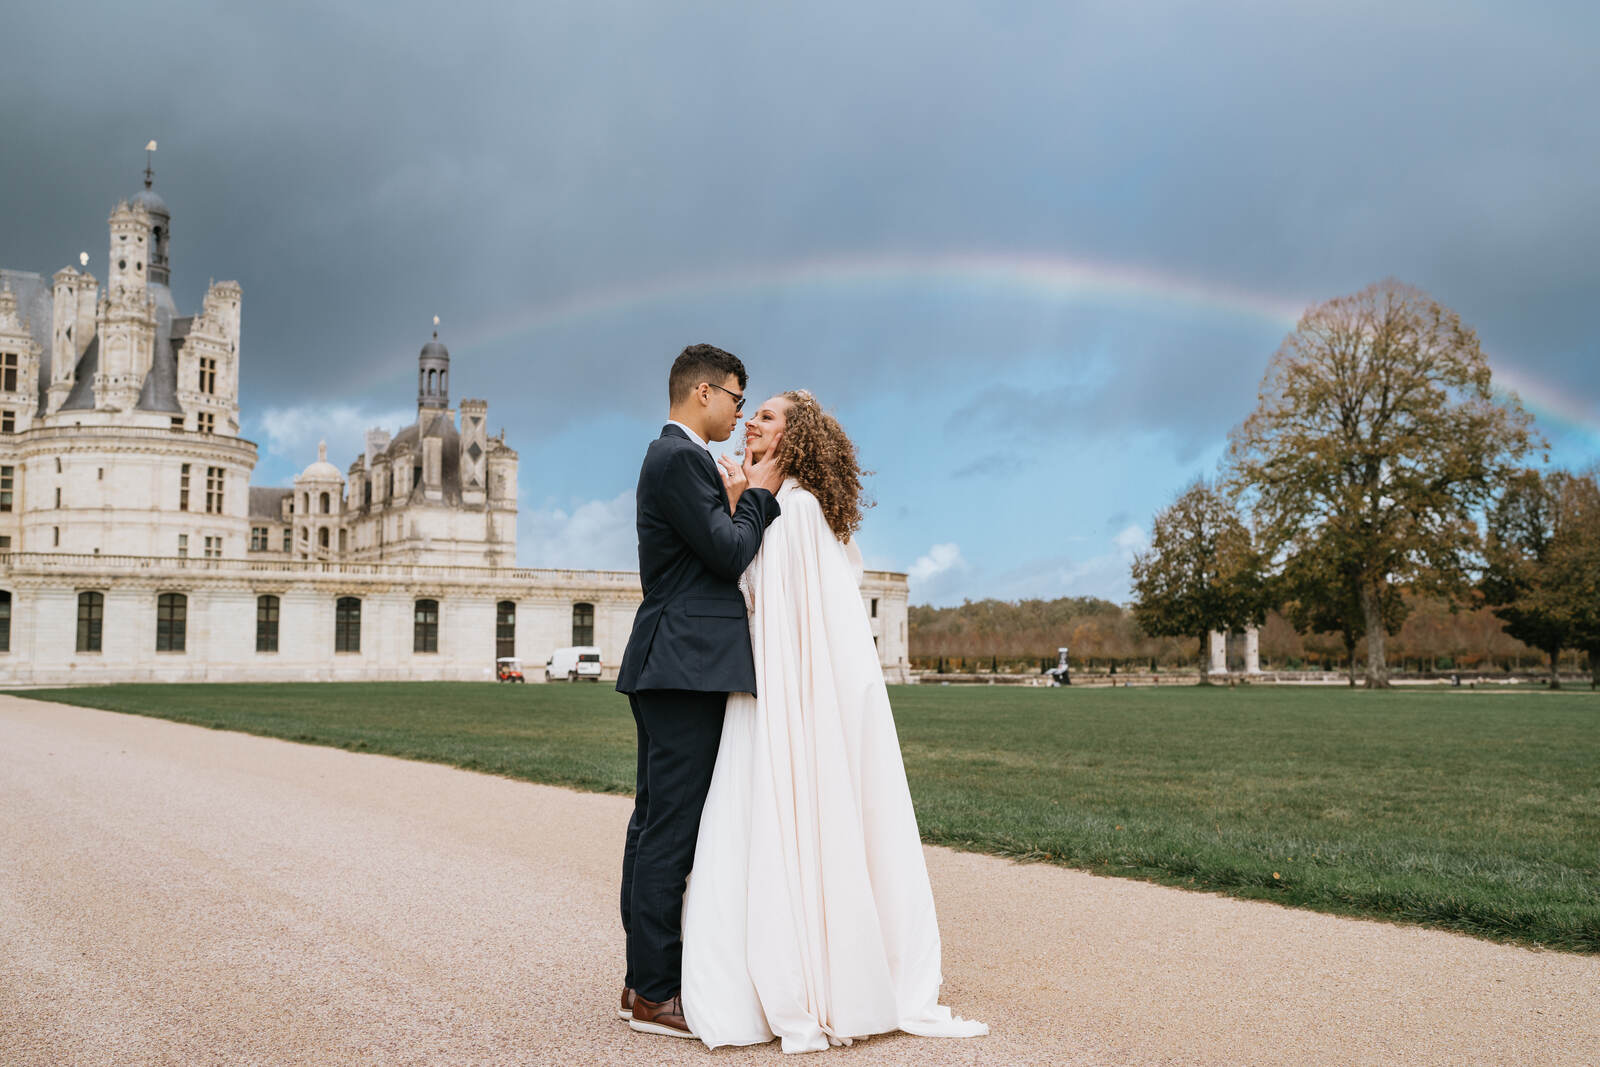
{"x":1380,"y":472}
{"x":1022,"y":636}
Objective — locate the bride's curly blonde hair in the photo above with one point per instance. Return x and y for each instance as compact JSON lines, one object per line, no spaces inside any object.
{"x":815,"y":449}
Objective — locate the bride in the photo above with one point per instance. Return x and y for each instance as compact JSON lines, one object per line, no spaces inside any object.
{"x":808,"y":915}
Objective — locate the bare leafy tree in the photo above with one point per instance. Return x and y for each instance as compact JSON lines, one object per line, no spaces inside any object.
{"x":1321,"y":594}
{"x":1201,"y":572}
{"x":1569,"y":590}
{"x":1527,"y":529}
{"x":1377,"y":440}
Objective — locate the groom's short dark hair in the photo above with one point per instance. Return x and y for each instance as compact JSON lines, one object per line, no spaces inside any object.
{"x":702,"y":363}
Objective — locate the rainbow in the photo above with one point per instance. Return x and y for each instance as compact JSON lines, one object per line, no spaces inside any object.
{"x":1553,"y":407}
{"x":1052,"y":279}
{"x":1046,"y":278}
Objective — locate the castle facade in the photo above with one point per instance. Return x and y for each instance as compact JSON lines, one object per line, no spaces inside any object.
{"x":133,"y":547}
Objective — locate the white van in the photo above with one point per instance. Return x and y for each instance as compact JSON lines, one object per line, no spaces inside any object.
{"x":579,"y":661}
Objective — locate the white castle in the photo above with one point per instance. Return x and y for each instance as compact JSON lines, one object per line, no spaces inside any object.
{"x":133,"y":548}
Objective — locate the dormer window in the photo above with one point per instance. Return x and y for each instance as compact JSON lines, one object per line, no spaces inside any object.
{"x":8,"y":372}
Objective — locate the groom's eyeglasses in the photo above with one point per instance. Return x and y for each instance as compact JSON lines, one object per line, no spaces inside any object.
{"x":738,"y":401}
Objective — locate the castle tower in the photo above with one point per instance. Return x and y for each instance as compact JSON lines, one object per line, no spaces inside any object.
{"x":377,"y":465}
{"x":500,"y":526}
{"x":159,"y":270}
{"x":130,"y":251}
{"x":318,"y":509}
{"x":127,"y":321}
{"x":208,"y":362}
{"x":433,"y":376}
{"x":63,"y":346}
{"x":72,"y":312}
{"x":474,"y":452}
{"x":502,"y":474}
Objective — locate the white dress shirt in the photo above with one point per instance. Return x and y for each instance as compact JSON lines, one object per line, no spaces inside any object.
{"x":692,"y":435}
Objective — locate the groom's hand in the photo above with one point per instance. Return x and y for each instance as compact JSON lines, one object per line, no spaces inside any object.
{"x":767,"y":474}
{"x":733,"y":479}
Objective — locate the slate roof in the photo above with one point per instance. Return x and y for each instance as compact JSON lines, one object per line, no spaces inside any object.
{"x":160,"y":391}
{"x":82,"y":396}
{"x":151,"y":201}
{"x":35,"y":304}
{"x":439,"y":425}
{"x":266,"y":502}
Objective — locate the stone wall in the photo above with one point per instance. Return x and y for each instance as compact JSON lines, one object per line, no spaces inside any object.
{"x":118,"y":490}
{"x":220,"y":606}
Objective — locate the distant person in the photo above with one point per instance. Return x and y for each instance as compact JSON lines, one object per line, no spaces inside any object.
{"x":809,"y":916}
{"x":699,"y":526}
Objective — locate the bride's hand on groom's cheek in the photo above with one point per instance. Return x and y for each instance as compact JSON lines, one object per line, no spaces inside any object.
{"x":733,"y":479}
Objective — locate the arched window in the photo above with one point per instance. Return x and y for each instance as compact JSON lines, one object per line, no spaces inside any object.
{"x":583,"y":624}
{"x":344,"y":540}
{"x":347,"y":625}
{"x":425,"y":627}
{"x":366,"y":494}
{"x":325,"y":503}
{"x":266,"y":624}
{"x":5,"y":621}
{"x":306,"y":502}
{"x":444,"y":382}
{"x":322,"y":537}
{"x":433,"y":382}
{"x":505,"y":629}
{"x":172,"y":611}
{"x":91,"y":612}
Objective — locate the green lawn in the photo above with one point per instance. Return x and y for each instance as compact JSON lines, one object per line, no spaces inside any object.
{"x":1476,"y":811}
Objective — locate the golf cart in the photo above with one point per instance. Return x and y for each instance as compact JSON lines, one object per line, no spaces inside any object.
{"x":508,"y":669}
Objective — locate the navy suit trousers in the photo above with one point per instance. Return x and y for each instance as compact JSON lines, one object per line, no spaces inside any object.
{"x":679,"y":731}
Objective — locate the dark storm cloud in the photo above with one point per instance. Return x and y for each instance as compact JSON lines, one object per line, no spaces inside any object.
{"x":361,"y":168}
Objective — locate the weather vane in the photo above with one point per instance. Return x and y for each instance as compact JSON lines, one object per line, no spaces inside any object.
{"x":149,"y":160}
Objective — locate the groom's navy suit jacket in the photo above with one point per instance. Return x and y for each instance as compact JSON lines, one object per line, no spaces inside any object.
{"x":690,"y":632}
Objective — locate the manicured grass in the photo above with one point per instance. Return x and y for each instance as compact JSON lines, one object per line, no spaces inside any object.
{"x":1475,"y":811}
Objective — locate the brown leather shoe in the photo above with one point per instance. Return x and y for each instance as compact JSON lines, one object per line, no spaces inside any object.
{"x":664,"y":1018}
{"x":625,"y":1010}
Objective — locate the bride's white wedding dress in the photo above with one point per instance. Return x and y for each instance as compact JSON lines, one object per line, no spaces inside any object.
{"x":808,"y":915}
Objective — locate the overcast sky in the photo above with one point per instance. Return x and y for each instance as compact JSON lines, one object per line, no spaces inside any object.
{"x":1035,"y":256}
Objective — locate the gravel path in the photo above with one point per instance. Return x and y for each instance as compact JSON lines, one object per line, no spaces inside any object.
{"x":171,"y":894}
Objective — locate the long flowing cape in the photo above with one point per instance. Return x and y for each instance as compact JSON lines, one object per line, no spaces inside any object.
{"x":809,"y":915}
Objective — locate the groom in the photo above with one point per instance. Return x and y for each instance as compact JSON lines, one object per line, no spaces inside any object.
{"x":699,"y":526}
